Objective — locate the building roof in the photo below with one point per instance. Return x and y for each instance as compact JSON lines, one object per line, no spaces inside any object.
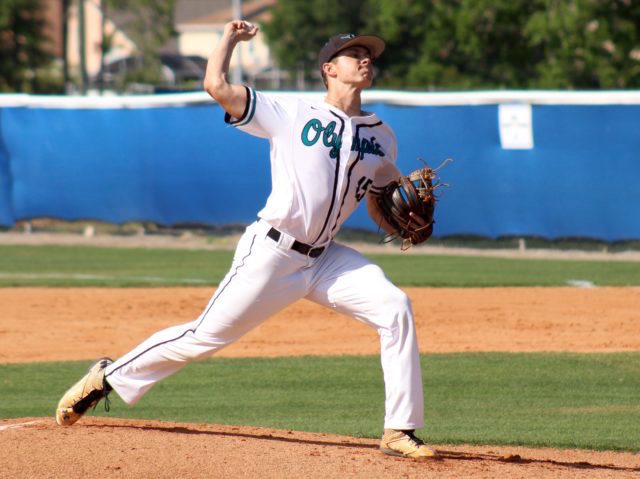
{"x":187,"y":10}
{"x":197,"y":13}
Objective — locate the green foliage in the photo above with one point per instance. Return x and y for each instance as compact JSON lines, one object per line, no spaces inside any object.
{"x":298,"y":30}
{"x":586,"y":44}
{"x":462,"y":44}
{"x":25,"y":58}
{"x":474,"y":44}
{"x":536,"y":399}
{"x":403,"y":24}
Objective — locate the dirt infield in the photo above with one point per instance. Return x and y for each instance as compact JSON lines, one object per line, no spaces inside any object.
{"x":52,"y":324}
{"x":40,"y":324}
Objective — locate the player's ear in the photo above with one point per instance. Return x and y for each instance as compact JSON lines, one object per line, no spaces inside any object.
{"x":329,"y":69}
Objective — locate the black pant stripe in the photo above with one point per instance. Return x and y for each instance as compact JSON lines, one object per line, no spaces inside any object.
{"x":193,"y":330}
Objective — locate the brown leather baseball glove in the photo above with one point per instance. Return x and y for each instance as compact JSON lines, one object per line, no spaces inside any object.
{"x":408,"y":205}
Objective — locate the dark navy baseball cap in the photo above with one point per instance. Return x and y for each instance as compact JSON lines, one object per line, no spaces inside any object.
{"x":339,"y":42}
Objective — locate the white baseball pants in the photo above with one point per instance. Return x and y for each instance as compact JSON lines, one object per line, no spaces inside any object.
{"x":264,"y":278}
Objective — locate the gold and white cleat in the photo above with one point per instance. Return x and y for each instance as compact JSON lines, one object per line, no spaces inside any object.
{"x":84,"y":394}
{"x":405,"y":444}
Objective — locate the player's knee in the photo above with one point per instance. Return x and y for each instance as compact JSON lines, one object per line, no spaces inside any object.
{"x":397,"y":302}
{"x":396,"y":321}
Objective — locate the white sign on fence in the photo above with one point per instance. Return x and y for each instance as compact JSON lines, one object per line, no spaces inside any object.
{"x":516,"y":130}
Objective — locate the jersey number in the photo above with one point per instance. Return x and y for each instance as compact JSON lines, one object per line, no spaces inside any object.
{"x":363,"y":186}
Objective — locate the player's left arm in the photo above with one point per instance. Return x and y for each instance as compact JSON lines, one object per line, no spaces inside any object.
{"x":376,"y":214}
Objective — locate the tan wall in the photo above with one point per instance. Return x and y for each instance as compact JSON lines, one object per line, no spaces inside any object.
{"x":201,"y":41}
{"x":122,"y":46}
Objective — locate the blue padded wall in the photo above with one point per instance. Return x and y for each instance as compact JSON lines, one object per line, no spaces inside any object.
{"x":182,"y":164}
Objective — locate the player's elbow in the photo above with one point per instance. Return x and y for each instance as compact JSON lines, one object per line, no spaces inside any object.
{"x":215,"y":87}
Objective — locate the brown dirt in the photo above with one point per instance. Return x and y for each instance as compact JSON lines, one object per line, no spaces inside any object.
{"x":40,"y":324}
{"x":116,"y":448}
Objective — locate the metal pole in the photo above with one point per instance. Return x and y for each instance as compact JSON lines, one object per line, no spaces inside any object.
{"x":236,"y":78}
{"x":65,"y":40}
{"x":84,"y":80}
{"x":103,"y":12}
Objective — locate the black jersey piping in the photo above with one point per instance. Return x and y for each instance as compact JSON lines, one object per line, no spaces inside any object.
{"x":358,"y":158}
{"x":228,"y":118}
{"x":204,"y":315}
{"x":335,"y":179}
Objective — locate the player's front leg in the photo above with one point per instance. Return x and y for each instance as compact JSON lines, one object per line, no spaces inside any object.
{"x":350,"y":283}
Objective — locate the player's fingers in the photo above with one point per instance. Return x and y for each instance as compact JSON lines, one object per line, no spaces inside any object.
{"x":419,"y":221}
{"x":250,"y":28}
{"x":243,"y":30}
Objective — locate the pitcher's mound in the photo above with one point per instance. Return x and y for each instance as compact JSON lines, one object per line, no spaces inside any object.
{"x":115,"y":448}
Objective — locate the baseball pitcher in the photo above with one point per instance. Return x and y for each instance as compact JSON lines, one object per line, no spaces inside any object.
{"x":326,"y":157}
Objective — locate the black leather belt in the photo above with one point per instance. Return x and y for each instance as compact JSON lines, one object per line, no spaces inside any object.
{"x":301,"y":248}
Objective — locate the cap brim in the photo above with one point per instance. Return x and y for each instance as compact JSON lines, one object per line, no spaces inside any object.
{"x":374,"y":44}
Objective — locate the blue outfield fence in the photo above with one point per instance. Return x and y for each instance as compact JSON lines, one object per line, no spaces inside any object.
{"x":172,"y":160}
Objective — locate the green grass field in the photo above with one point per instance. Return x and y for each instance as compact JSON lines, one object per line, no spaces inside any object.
{"x":93,"y":266}
{"x":537,"y":399}
{"x":560,"y":400}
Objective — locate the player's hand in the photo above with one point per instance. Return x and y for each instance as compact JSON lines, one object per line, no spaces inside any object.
{"x":240,"y":30}
{"x":416,"y":219}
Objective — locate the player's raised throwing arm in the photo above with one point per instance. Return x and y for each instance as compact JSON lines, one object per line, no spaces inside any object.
{"x":230,"y":97}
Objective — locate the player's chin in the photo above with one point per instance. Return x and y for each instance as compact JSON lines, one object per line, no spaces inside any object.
{"x":365,"y":81}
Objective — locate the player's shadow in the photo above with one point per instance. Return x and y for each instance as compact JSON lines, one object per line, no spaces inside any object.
{"x":444,"y":454}
{"x":517,"y":459}
{"x":262,"y":437}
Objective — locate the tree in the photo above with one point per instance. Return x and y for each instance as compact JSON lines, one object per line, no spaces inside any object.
{"x":298,"y":30}
{"x":404,"y":25}
{"x":465,"y":44}
{"x":475,"y":44}
{"x":151,"y":25}
{"x":586,"y":44}
{"x":24,"y":55}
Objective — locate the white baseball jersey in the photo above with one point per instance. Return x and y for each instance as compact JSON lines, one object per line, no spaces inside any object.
{"x":323,"y":162}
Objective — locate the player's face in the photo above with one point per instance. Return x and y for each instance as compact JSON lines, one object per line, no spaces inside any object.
{"x":354,"y":66}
